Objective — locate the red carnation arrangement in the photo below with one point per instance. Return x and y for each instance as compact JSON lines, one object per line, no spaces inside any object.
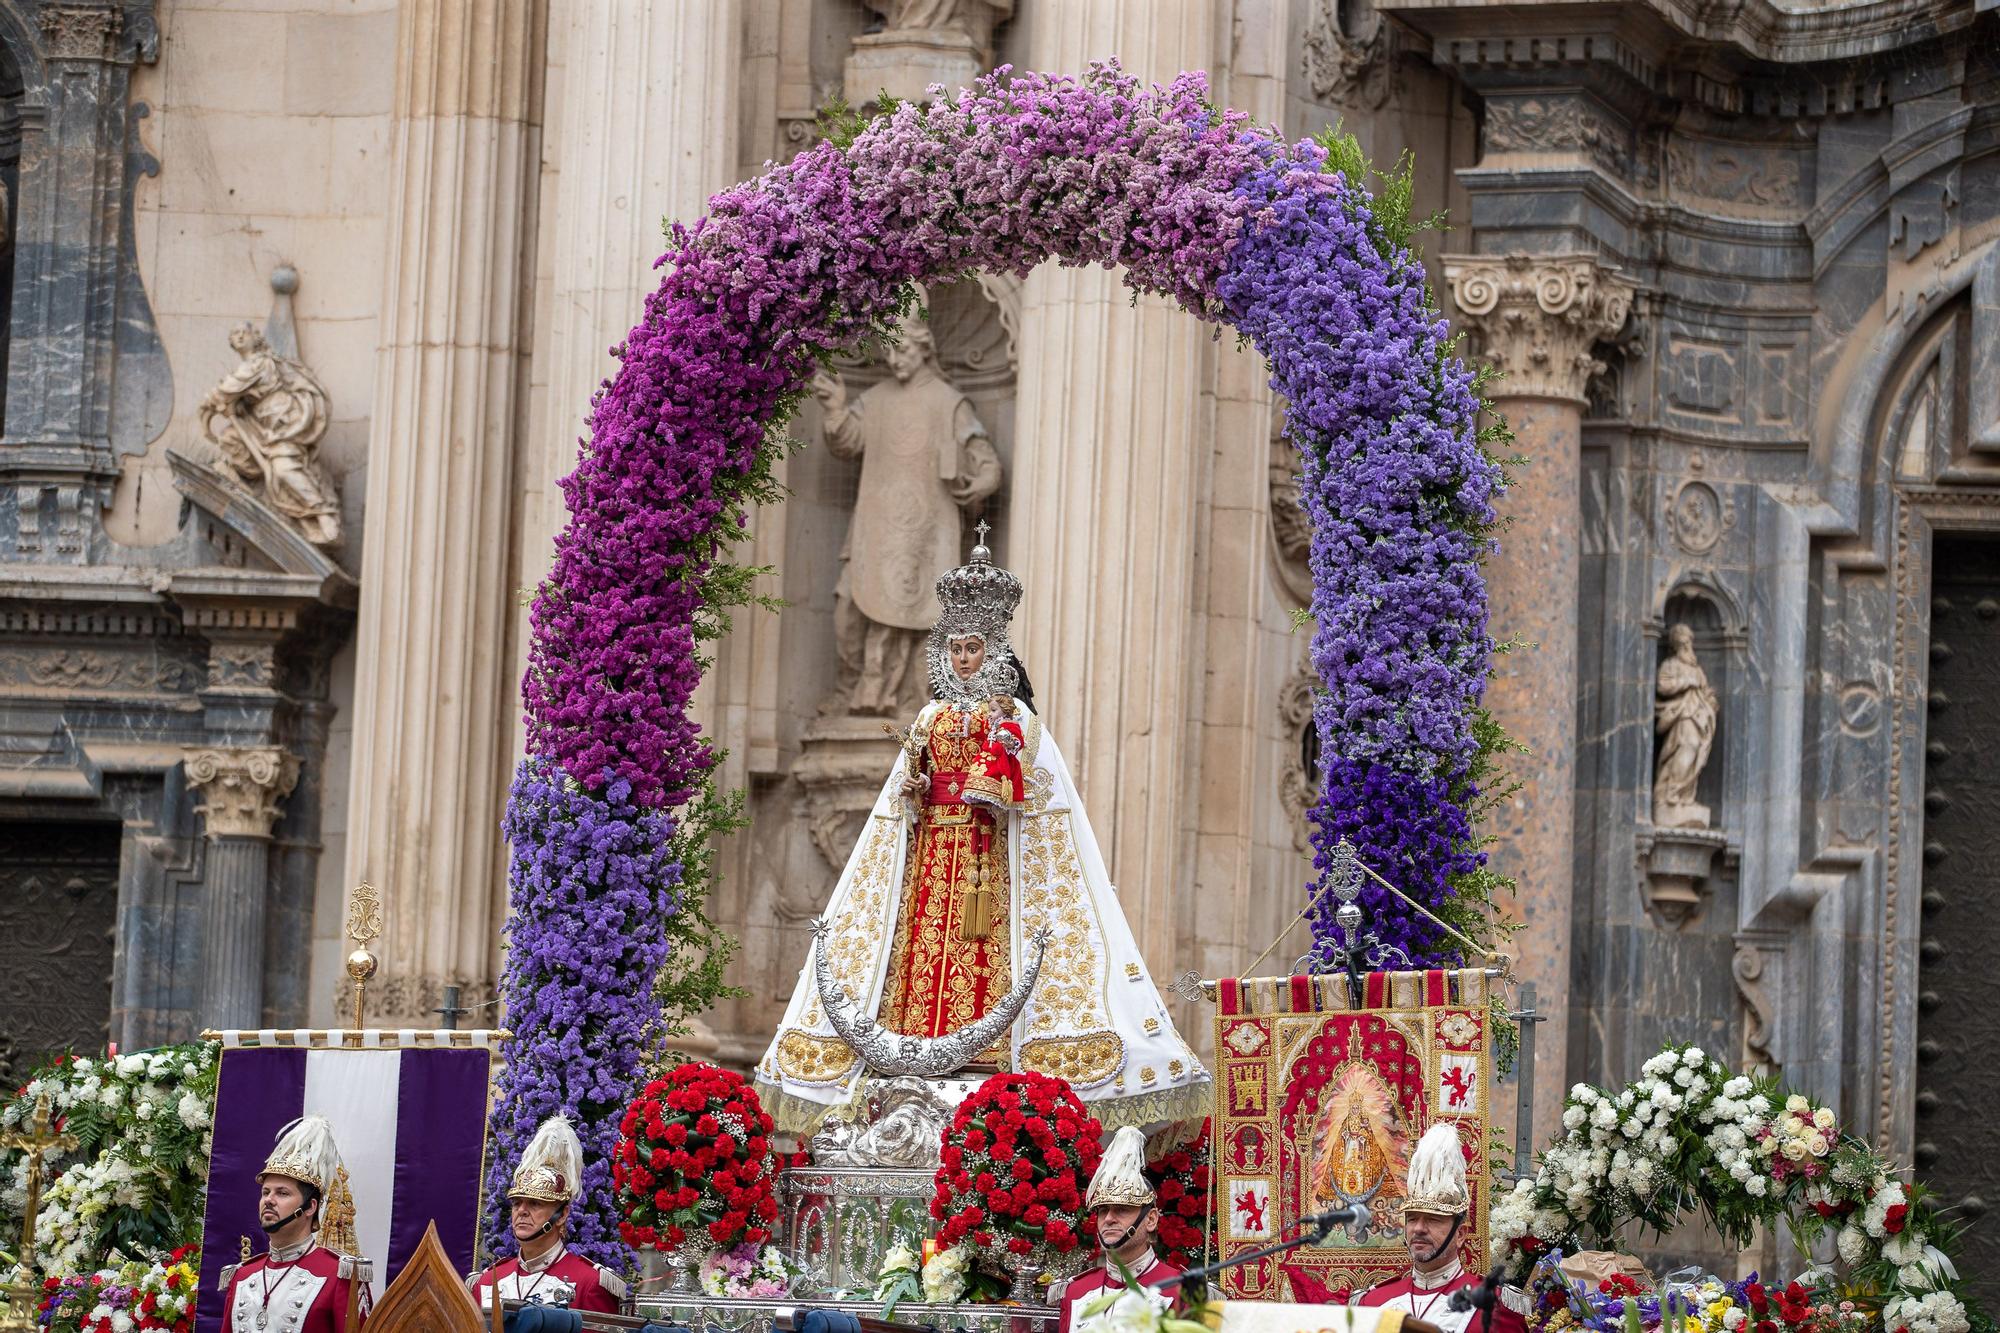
{"x":694,"y":1160}
{"x":1015,"y":1164}
{"x":1179,"y":1178}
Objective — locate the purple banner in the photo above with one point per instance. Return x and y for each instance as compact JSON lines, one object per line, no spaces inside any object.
{"x":411,"y":1128}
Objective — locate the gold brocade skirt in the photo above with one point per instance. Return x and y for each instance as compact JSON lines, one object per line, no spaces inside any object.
{"x":938,"y":980}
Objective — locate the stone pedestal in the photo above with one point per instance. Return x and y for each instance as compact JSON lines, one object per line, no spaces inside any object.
{"x":842,"y":761}
{"x":905,"y":63}
{"x":1677,"y":866}
{"x":1538,"y":318}
{"x":241,"y":790}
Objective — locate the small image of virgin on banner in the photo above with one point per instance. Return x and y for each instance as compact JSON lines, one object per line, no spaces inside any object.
{"x":408,"y":1111}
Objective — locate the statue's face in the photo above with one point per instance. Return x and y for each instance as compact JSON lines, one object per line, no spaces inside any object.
{"x":906,"y":357}
{"x":968,"y":654}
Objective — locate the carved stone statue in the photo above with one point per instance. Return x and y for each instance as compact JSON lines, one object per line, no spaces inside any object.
{"x":267,"y":417}
{"x":974,"y":18}
{"x":925,"y":459}
{"x":1684,"y":715}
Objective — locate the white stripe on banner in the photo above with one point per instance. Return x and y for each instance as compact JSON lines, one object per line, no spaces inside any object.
{"x":357,"y":1093}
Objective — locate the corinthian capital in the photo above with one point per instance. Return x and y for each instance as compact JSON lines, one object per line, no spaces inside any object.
{"x":241,"y":787}
{"x":1539,"y":317}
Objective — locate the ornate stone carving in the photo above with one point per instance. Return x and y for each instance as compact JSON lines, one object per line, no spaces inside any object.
{"x":1539,"y":317}
{"x":1684,"y":717}
{"x":78,"y":32}
{"x":1291,"y":530}
{"x":1348,"y":56}
{"x":72,"y":670}
{"x":925,"y":458}
{"x":266,"y":417}
{"x":1735,"y":176}
{"x":242,"y":787}
{"x":1753,"y":990}
{"x":1555,"y":125}
{"x":1699,"y":517}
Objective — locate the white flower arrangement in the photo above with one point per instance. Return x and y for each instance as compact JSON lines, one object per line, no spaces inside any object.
{"x":1688,"y":1131}
{"x":144,"y":1125}
{"x":944,"y":1276}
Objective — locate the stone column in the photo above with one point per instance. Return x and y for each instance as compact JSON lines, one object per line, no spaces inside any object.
{"x":241,"y":790}
{"x":1112,"y":437}
{"x":1538,"y":317}
{"x":433,"y":685}
{"x":643,"y":131}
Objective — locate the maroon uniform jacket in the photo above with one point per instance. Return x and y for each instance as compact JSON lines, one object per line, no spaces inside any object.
{"x":572,"y":1281}
{"x":1432,"y":1304}
{"x":308,"y":1295}
{"x":1085,"y":1285}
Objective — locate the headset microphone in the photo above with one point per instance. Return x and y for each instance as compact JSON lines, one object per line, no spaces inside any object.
{"x":271,"y":1228}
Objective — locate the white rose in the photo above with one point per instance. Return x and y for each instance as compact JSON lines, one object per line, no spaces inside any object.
{"x":1732,"y":1318}
{"x":1823,"y":1117}
{"x":1817,"y":1143}
{"x":1797,"y":1103}
{"x":1853,"y":1246}
{"x":1757,"y":1185}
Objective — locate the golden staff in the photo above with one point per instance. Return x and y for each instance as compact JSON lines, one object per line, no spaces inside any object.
{"x":38,"y":1138}
{"x":364,"y":924}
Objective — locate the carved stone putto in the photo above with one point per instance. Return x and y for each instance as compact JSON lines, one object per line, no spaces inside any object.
{"x":241,"y":787}
{"x":266,"y":417}
{"x":1539,"y":317}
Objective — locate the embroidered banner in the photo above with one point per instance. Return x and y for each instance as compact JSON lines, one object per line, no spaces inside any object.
{"x":1318,"y":1105}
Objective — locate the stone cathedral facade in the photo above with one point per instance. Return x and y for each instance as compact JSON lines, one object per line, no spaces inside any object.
{"x":304,"y":303}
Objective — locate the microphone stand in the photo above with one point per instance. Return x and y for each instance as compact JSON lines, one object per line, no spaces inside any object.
{"x":1481,"y":1298}
{"x":1322,"y":1225}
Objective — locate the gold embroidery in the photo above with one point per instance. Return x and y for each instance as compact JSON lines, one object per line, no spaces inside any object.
{"x":1069,"y":997}
{"x":1084,"y":1061}
{"x":1152,"y":1027}
{"x":856,"y":931}
{"x":1131,"y":971}
{"x":1146,"y":1075}
{"x":1174,"y":1069}
{"x":929,"y":939}
{"x":810,"y":1059}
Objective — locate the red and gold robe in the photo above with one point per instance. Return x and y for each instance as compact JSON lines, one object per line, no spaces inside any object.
{"x":571,"y":1282}
{"x":950,"y":962}
{"x":307,"y":1295}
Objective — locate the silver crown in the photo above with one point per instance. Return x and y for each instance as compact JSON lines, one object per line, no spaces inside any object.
{"x":979,"y":596}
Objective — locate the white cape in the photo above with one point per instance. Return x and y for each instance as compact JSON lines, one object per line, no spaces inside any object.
{"x":1095,"y":1017}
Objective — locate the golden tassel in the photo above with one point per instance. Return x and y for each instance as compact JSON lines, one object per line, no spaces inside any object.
{"x":975,"y":922}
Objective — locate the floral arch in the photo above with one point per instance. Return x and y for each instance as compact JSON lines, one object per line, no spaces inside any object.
{"x":609,"y":813}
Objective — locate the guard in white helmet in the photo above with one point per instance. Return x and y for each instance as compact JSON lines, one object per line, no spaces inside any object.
{"x":1435,"y":1205}
{"x":545,"y":1272}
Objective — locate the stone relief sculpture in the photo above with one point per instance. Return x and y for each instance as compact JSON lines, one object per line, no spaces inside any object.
{"x":925,"y":461}
{"x":266,"y":417}
{"x":1684,"y":716}
{"x":922,"y":42}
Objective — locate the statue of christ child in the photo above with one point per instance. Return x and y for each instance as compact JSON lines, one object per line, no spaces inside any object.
{"x":977,"y":843}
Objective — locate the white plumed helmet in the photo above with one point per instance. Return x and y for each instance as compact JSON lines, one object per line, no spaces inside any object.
{"x":1437,"y":1175}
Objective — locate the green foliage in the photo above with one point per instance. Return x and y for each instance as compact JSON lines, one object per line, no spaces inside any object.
{"x":691,"y":981}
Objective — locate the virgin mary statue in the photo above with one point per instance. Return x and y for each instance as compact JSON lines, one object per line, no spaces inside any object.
{"x":976,"y":892}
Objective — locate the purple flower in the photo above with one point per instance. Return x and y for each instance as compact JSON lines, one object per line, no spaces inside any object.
{"x":590,"y":890}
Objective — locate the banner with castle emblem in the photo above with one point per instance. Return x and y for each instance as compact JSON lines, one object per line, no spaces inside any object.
{"x":1318,"y":1105}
